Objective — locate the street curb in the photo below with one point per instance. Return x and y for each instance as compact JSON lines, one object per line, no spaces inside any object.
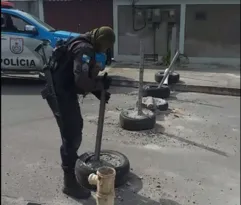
{"x":176,"y":87}
{"x":182,"y":87}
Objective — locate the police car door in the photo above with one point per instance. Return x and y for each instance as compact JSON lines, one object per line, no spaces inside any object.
{"x":18,"y":45}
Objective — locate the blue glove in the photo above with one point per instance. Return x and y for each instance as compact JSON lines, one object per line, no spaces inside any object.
{"x":100,"y":59}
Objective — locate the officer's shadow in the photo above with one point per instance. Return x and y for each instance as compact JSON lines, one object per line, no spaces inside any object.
{"x":21,"y":86}
{"x":128,"y":195}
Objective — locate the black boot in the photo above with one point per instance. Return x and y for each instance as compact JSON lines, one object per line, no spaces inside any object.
{"x":72,"y":188}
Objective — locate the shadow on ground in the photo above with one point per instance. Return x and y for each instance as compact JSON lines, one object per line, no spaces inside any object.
{"x":21,"y":81}
{"x":160,"y":115}
{"x":122,"y":78}
{"x":180,"y":82}
{"x":196,"y":144}
{"x":161,"y":130}
{"x":123,"y":90}
{"x":128,"y":195}
{"x":17,"y":86}
{"x":174,"y":97}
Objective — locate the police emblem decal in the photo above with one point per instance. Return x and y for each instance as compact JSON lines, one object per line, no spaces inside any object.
{"x":16,"y":45}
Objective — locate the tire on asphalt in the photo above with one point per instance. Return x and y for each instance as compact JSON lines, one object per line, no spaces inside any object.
{"x":154,"y":91}
{"x":83,"y":169}
{"x":173,"y":78}
{"x":162,"y":104}
{"x":145,"y":122}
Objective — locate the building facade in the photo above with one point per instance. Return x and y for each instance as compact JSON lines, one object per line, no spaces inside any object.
{"x":78,"y":15}
{"x":207,"y":31}
{"x":34,"y":7}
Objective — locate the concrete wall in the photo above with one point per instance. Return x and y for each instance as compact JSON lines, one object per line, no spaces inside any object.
{"x":217,"y":36}
{"x":128,"y":39}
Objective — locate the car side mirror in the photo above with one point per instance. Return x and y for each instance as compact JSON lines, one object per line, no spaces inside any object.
{"x":31,"y":29}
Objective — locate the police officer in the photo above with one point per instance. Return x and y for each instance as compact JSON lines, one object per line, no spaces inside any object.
{"x":78,"y":76}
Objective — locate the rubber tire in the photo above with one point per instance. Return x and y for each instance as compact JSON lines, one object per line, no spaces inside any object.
{"x":161,"y":107}
{"x":172,"y":78}
{"x":131,"y":124}
{"x":154,"y":91}
{"x":82,"y":171}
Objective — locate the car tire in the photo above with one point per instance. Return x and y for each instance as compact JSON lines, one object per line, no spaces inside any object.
{"x":137,"y":124}
{"x":173,"y":78}
{"x":162,"y":105}
{"x":154,"y":91}
{"x":83,"y":170}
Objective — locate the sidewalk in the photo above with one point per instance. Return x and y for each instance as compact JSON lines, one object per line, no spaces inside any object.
{"x":213,"y":81}
{"x":210,"y":80}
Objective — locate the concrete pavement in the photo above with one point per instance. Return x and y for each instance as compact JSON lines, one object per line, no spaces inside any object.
{"x":204,"y":80}
{"x":191,"y":157}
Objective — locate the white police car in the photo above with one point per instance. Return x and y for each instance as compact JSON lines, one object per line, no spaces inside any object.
{"x":21,"y":33}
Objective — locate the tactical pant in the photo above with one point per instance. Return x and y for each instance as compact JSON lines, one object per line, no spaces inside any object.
{"x":70,"y":128}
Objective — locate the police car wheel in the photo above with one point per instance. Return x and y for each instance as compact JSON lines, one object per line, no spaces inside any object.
{"x":85,"y":165}
{"x":130,"y":120}
{"x":154,"y":91}
{"x":173,"y":78}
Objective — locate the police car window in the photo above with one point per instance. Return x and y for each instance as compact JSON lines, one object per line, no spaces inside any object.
{"x":50,"y":28}
{"x":36,"y":20}
{"x":19,"y":23}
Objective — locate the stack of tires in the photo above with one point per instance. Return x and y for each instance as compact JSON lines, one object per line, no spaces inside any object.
{"x":164,"y":91}
{"x":173,"y":78}
{"x":129,"y":121}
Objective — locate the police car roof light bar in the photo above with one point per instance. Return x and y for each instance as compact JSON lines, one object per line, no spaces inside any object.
{"x":7,"y":5}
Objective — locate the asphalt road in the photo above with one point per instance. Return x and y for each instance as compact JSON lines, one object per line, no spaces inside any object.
{"x":191,"y":157}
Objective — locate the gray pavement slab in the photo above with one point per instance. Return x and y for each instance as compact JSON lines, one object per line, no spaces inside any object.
{"x":200,"y":77}
{"x":191,"y":157}
{"x":220,"y":81}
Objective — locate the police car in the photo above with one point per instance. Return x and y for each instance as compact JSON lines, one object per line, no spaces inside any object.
{"x":21,"y":33}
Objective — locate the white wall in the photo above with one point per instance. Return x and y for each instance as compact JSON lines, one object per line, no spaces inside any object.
{"x":218,"y":36}
{"x":129,"y":39}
